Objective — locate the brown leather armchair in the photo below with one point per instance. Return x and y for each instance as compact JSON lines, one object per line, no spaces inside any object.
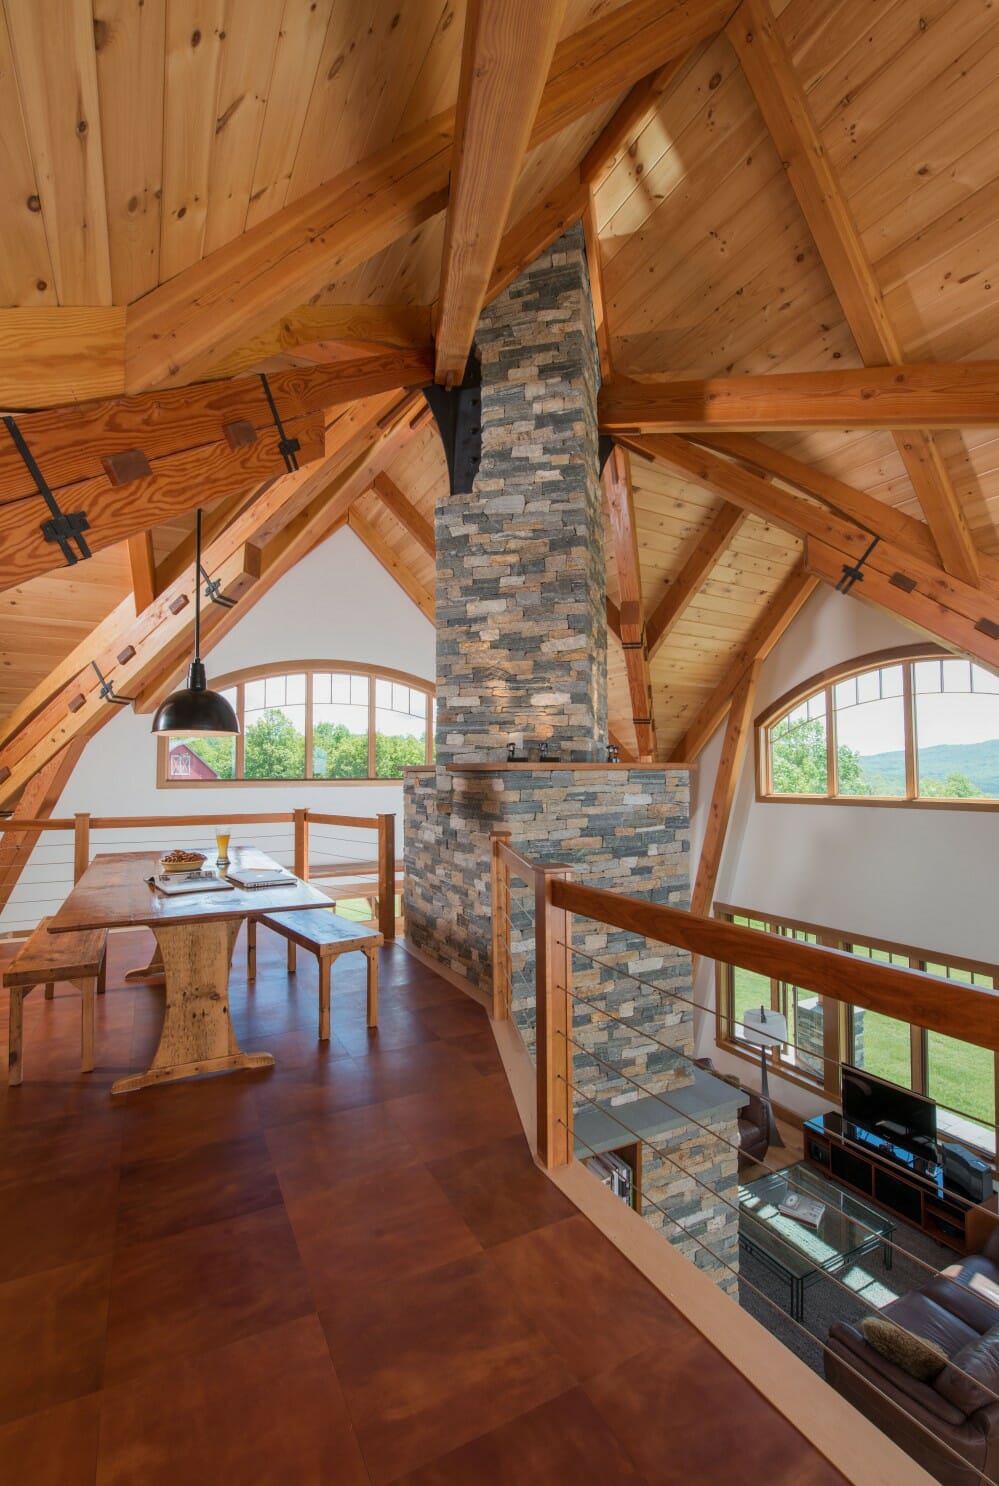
{"x":948,"y":1417}
{"x":754,"y":1118}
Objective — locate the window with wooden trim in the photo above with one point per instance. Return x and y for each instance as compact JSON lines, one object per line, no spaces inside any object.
{"x":962,"y":1078}
{"x":906,"y":727}
{"x":315,"y":720}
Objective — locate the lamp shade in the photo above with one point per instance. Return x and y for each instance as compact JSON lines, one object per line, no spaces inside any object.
{"x":195,"y":709}
{"x":764,"y":1028}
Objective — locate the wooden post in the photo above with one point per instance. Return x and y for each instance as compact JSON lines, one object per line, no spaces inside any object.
{"x":500,"y":877}
{"x":553,"y":955}
{"x":302,"y":844}
{"x":386,"y":876}
{"x":81,"y":846}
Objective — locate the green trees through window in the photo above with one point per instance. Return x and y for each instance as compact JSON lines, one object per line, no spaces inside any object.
{"x":922,"y":728}
{"x":313,"y":723}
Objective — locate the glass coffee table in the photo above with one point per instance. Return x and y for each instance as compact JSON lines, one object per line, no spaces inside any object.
{"x":797,"y":1253}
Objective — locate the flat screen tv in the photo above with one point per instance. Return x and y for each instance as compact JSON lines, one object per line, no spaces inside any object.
{"x":886,"y":1108}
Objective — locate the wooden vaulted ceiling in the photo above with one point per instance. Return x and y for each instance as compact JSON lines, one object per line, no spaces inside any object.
{"x":800,"y":189}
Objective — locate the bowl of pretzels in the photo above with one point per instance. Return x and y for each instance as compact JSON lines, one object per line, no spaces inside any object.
{"x":178,"y":862}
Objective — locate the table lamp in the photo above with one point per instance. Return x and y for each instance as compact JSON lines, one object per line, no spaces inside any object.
{"x":766,"y":1029}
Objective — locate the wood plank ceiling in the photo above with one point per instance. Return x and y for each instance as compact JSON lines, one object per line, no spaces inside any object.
{"x":136,"y":138}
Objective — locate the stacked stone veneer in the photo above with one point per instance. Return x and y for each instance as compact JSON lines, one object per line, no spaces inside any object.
{"x":522,"y":657}
{"x":521,"y":581}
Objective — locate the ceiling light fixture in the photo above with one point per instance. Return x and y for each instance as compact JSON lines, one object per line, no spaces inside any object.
{"x":195,"y":709}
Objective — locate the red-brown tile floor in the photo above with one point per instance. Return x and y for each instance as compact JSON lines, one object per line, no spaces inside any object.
{"x":342,"y":1270}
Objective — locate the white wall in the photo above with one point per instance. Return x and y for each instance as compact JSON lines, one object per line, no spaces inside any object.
{"x":338,"y":604}
{"x":921,"y":877}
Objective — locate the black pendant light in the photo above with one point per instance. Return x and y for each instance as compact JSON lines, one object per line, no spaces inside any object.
{"x":195,"y":709}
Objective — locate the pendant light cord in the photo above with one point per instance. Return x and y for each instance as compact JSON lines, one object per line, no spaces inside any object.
{"x":197,"y":585}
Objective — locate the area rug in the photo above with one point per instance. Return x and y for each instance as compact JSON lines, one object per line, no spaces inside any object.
{"x":861,"y":1288}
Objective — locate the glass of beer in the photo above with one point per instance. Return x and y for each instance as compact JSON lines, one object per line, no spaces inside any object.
{"x":222,"y":834}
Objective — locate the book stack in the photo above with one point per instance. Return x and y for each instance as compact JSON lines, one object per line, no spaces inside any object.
{"x":614,"y":1173}
{"x":807,"y":1210}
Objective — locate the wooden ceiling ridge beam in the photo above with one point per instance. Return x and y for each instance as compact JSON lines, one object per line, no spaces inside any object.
{"x":768,"y":69}
{"x":960,"y":394}
{"x":201,"y":315}
{"x":772,"y":624}
{"x":691,"y":578}
{"x":620,"y":499}
{"x":506,"y":54}
{"x":962,"y":617}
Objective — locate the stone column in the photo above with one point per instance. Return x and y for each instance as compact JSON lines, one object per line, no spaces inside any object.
{"x":521,"y":580}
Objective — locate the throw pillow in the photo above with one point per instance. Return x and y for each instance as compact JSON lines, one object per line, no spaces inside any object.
{"x":919,"y":1358}
{"x":970,"y":1381}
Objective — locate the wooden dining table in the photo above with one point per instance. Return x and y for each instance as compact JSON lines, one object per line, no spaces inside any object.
{"x":195,"y":936}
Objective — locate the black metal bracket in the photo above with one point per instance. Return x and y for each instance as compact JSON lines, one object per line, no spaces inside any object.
{"x":64,"y":527}
{"x":107,"y":690}
{"x":213,"y":591}
{"x":853,"y":572}
{"x":287,"y":447}
{"x":605,"y":448}
{"x":458,"y":414}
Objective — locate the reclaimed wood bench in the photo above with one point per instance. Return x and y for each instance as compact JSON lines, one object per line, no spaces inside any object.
{"x":327,"y":936}
{"x":44,"y":958}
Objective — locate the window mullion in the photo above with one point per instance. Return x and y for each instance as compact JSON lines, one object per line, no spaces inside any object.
{"x":371,"y":727}
{"x":909,"y":723}
{"x":241,"y":735}
{"x":832,"y":773}
{"x":308,"y":724}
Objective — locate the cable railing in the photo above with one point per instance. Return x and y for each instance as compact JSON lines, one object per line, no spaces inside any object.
{"x":588,"y":963}
{"x":354,"y":853}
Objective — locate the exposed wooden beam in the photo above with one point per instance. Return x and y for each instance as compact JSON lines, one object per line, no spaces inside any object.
{"x":613,"y":618}
{"x":178,"y":452}
{"x":506,"y":53}
{"x":406,"y":326}
{"x":71,"y":445}
{"x":737,"y":735}
{"x":61,"y":354}
{"x":393,"y":564}
{"x":624,"y":539}
{"x":627,"y":122}
{"x":768,"y":68}
{"x":882,"y":520}
{"x":965,"y":618}
{"x":708,"y":549}
{"x":38,"y":800}
{"x":402,"y":508}
{"x":595,"y":269}
{"x":142,"y":563}
{"x":784,"y":607}
{"x":198,"y":317}
{"x":963,"y":394}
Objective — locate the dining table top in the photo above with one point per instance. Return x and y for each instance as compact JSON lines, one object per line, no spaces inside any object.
{"x":115,"y":892}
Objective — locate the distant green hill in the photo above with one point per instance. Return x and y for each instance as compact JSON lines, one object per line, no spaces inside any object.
{"x":978,"y":762}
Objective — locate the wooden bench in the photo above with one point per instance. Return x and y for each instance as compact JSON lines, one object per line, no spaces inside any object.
{"x":43,"y":959}
{"x":327,"y":936}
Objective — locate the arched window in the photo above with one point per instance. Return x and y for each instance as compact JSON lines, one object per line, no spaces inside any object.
{"x":910,"y":726}
{"x":319,"y":720}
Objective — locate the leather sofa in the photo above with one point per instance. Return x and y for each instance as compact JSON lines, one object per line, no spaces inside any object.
{"x":925,"y":1418}
{"x":754,"y":1118}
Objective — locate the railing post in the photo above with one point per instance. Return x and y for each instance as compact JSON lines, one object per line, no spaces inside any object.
{"x":81,"y":845}
{"x":302,"y":844}
{"x":500,"y":905}
{"x":386,"y":876}
{"x":553,"y":955}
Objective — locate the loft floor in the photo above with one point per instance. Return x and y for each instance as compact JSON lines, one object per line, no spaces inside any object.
{"x":343,"y":1270}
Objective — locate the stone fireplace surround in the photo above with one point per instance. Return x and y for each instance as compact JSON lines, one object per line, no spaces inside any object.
{"x":522,"y":658}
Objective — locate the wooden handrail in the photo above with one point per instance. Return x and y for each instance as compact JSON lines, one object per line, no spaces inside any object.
{"x":367,"y":822}
{"x":968,"y":1013}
